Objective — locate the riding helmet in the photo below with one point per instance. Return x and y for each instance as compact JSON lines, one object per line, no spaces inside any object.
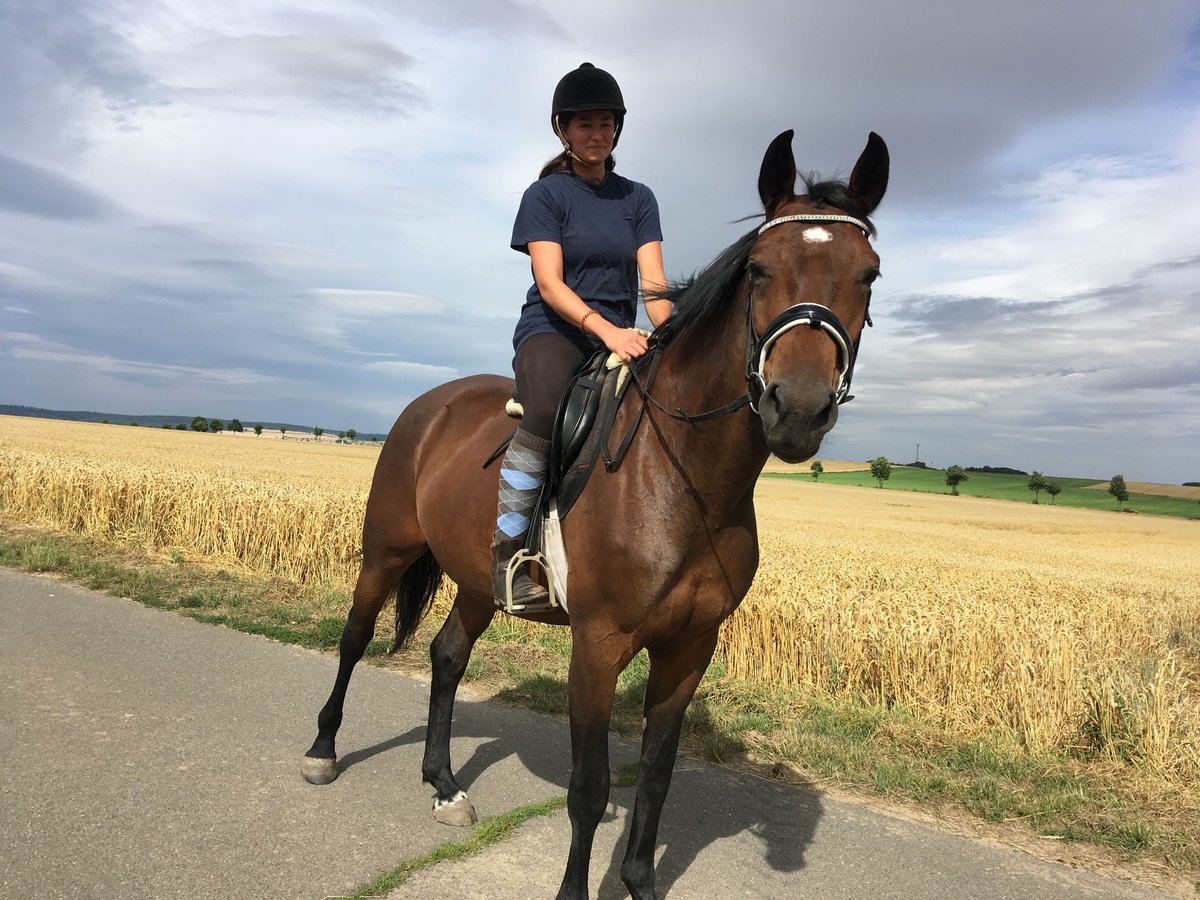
{"x":587,"y":88}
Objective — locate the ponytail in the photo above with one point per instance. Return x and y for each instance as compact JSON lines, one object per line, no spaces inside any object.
{"x":564,"y":163}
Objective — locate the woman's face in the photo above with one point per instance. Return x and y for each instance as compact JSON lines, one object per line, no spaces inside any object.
{"x":590,"y":135}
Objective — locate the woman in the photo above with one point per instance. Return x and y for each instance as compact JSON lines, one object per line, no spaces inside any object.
{"x":592,"y":237}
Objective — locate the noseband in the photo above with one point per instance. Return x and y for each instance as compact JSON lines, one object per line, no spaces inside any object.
{"x":814,"y":315}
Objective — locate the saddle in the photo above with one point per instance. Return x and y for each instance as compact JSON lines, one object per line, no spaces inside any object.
{"x":582,"y":425}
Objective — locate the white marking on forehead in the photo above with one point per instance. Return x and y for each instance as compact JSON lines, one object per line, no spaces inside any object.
{"x":817,"y":235}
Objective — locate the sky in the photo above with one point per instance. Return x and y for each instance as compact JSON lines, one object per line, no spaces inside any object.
{"x":301,"y":212}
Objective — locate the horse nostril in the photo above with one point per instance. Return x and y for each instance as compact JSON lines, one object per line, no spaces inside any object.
{"x":822,"y":418}
{"x":773,"y":396}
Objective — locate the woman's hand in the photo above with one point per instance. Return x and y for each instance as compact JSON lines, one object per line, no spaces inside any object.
{"x":627,"y":343}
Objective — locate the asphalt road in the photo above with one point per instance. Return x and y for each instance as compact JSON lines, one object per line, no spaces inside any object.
{"x":145,"y":755}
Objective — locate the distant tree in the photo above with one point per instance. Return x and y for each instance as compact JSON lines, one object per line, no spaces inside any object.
{"x":1053,"y":488}
{"x":956,"y":475}
{"x":816,"y":469}
{"x":181,"y":427}
{"x":199,"y":423}
{"x":1037,"y":484}
{"x":1117,"y":488}
{"x":133,"y":424}
{"x":996,"y":470}
{"x":881,"y":469}
{"x":1191,"y":484}
{"x":104,"y":421}
{"x":236,"y":425}
{"x":216,"y":426}
{"x":165,"y":425}
{"x":351,"y":433}
{"x":318,"y":431}
{"x":258,"y":430}
{"x":283,"y":429}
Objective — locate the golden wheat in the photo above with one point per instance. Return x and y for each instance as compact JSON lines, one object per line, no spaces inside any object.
{"x":1066,"y":628}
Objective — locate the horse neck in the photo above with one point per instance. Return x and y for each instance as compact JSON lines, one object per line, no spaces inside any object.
{"x":703,"y":370}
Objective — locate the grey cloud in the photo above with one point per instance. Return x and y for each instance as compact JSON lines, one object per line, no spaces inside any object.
{"x":31,"y":190}
{"x":336,"y":71}
{"x":1170,"y":265}
{"x":56,"y":58}
{"x":941,"y":315}
{"x":76,"y":40}
{"x":954,"y":88}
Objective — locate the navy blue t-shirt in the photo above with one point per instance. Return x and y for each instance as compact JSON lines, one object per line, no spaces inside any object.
{"x":600,"y":228}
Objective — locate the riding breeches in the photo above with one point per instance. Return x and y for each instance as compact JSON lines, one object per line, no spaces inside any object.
{"x":543,"y":365}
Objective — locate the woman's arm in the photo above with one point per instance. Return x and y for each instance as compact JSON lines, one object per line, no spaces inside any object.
{"x":547,"y":260}
{"x":654,"y":281}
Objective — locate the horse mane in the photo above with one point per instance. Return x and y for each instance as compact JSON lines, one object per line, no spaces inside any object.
{"x":703,"y":297}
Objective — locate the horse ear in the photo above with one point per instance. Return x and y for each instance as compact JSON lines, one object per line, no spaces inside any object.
{"x":869,"y":179}
{"x":777,"y":177}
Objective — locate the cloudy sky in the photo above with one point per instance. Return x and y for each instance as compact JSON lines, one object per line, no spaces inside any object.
{"x":301,"y":211}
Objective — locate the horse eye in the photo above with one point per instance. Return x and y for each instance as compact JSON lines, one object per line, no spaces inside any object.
{"x":755,"y":270}
{"x":870,"y":276}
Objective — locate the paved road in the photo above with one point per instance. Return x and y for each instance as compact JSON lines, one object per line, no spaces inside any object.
{"x":145,"y":756}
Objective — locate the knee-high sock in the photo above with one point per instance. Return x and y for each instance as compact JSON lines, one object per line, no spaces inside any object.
{"x":521,"y":475}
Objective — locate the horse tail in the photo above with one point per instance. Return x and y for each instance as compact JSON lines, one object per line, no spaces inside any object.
{"x":414,"y":596}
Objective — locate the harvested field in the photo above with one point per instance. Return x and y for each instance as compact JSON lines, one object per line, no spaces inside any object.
{"x":776,"y":466}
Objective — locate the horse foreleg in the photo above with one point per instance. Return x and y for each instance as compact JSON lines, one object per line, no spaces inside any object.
{"x":449,"y":653}
{"x":592,"y":683}
{"x":674,"y":676}
{"x":319,"y":765}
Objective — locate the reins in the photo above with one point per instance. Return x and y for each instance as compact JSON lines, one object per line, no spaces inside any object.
{"x":814,"y":315}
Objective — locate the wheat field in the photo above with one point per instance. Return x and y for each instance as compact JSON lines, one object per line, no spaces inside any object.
{"x":1066,"y":629}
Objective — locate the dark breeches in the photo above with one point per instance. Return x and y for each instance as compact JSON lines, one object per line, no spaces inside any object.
{"x":543,"y":365}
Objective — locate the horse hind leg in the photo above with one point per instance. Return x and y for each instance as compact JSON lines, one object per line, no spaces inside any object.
{"x":417,"y":576}
{"x":449,"y":653}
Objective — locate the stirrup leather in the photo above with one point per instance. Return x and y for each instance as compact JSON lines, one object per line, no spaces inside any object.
{"x":510,"y":572}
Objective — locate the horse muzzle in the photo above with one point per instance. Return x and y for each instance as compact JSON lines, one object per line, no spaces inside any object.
{"x":796,"y":418}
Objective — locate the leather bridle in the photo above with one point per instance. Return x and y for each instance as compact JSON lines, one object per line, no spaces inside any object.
{"x":758,"y":348}
{"x":814,"y":315}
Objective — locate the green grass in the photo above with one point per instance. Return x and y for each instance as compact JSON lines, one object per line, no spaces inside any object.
{"x":780,"y":734}
{"x":488,"y":832}
{"x":1008,"y":487}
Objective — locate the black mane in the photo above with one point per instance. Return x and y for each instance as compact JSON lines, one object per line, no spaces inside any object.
{"x":702,"y":297}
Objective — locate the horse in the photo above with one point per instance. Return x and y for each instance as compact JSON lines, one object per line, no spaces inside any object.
{"x":664,"y":548}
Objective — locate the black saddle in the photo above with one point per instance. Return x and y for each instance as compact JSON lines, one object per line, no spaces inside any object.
{"x":591,"y":396}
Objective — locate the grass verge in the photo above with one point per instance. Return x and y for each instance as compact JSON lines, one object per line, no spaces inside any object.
{"x":814,"y":741}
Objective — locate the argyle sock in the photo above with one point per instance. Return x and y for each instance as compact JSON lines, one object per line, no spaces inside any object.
{"x":521,"y":475}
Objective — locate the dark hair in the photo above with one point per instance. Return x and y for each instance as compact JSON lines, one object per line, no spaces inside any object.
{"x":563,"y":162}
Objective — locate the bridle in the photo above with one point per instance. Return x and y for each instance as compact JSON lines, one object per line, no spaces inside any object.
{"x":814,"y":315}
{"x":758,"y":347}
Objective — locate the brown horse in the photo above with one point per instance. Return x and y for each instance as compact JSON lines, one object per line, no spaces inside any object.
{"x":664,"y":548}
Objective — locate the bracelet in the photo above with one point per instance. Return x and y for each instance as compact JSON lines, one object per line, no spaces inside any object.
{"x":590,"y":312}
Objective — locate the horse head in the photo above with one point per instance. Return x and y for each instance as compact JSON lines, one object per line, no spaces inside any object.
{"x":812,"y":266}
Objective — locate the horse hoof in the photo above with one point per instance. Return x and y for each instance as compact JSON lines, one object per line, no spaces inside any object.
{"x":456,"y":811}
{"x":318,"y":771}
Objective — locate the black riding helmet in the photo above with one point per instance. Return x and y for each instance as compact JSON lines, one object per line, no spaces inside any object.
{"x":588,"y":88}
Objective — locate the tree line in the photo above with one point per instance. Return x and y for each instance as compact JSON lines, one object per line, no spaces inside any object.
{"x":881,"y":471}
{"x":215,"y":426}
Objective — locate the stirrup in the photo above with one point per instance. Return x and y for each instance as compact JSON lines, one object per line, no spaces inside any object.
{"x":518,"y":559}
